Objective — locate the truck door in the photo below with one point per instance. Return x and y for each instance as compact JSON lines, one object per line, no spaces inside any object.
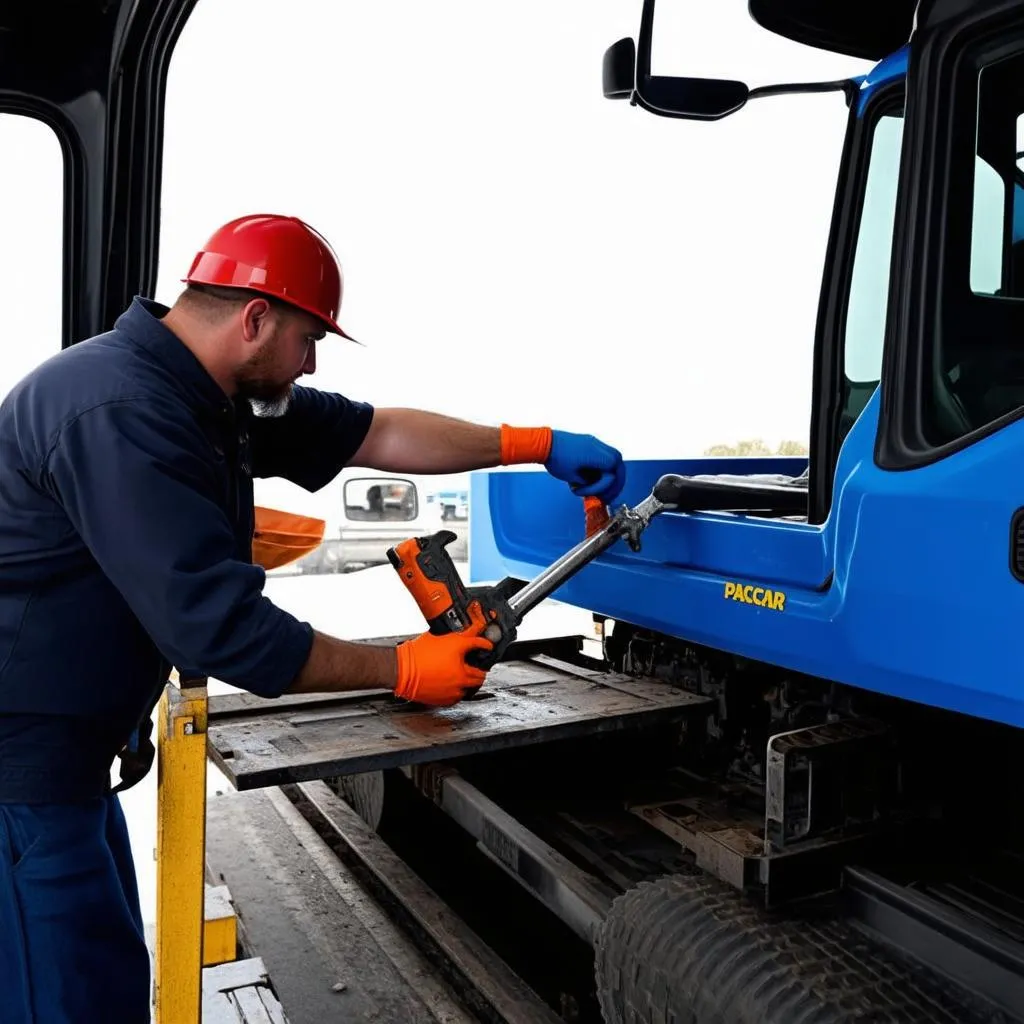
{"x":929,"y":533}
{"x":750,"y":537}
{"x":954,"y":366}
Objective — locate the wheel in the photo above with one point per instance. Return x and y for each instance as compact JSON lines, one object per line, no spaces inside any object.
{"x":688,"y":949}
{"x":364,"y":793}
{"x":383,"y":799}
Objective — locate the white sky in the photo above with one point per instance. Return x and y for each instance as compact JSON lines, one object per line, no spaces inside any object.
{"x":515,"y":246}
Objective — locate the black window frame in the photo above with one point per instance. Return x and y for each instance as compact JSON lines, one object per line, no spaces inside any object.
{"x":930,"y":290}
{"x":96,"y":71}
{"x":829,"y":388}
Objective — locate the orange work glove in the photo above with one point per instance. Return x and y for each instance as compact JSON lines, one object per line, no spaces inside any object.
{"x":432,"y":668}
{"x":521,"y":445}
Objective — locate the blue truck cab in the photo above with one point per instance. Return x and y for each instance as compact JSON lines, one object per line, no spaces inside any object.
{"x":872,"y":601}
{"x":899,"y":559}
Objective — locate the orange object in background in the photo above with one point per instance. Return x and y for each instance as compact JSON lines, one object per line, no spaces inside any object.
{"x":283,"y":537}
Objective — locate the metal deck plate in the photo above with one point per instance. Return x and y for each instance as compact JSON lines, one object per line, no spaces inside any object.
{"x":258,"y":742}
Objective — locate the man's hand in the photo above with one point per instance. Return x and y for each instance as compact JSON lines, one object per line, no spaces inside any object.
{"x":432,"y":669}
{"x":588,"y":465}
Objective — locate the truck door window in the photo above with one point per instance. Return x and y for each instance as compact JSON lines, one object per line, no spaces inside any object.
{"x":31,"y":258}
{"x":867,"y":298}
{"x":987,"y":255}
{"x":975,"y":379}
{"x":869,"y":285}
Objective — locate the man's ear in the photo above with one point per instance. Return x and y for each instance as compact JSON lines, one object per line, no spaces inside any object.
{"x":255,"y":319}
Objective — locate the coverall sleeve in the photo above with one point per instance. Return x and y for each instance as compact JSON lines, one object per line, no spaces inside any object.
{"x":313,"y":441}
{"x":139,"y":485}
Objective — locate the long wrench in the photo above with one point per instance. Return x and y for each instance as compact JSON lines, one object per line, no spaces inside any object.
{"x":427,"y":570}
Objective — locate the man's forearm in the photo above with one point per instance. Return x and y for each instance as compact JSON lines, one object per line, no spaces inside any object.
{"x":336,"y":665}
{"x":415,"y":441}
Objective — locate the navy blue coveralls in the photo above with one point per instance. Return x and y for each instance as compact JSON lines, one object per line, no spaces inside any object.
{"x":126,"y":518}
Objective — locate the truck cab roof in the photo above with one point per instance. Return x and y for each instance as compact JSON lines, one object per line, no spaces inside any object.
{"x":848,"y":28}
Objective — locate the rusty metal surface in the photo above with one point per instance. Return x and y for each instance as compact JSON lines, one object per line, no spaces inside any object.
{"x":718,"y":825}
{"x":615,"y":845}
{"x":807,"y":773}
{"x":269,"y":743}
{"x":723,"y":843}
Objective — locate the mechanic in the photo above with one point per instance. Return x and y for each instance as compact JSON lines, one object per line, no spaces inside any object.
{"x":126,"y":526}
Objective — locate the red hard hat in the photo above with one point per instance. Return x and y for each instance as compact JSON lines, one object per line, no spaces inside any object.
{"x":279,"y":256}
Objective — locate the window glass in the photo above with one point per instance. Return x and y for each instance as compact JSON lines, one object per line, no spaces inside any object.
{"x":380,"y":500}
{"x":974,"y":375}
{"x":990,"y":199}
{"x":869,"y":286}
{"x":31,"y":257}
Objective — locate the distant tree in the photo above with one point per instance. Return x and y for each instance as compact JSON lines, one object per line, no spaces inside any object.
{"x":754,"y":447}
{"x":757,"y":447}
{"x":793,"y":448}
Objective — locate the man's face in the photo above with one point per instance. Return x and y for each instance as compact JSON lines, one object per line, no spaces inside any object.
{"x":285,"y":349}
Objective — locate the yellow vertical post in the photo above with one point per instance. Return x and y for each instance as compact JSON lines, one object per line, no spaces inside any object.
{"x":180,"y":854}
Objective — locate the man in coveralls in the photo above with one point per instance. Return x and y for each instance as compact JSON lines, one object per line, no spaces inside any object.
{"x":126,"y":549}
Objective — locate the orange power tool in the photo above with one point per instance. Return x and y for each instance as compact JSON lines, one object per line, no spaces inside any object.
{"x":429,"y":574}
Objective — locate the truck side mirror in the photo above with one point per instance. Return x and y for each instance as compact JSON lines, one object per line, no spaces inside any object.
{"x":627,"y":75}
{"x":618,"y":70}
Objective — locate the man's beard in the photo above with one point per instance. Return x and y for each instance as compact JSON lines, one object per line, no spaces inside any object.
{"x":267,"y":399}
{"x":270,"y":406}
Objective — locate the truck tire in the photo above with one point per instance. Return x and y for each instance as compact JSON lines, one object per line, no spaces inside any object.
{"x":691,"y":950}
{"x":364,"y":793}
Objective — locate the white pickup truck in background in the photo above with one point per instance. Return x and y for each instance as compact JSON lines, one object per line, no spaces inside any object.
{"x":367,"y":512}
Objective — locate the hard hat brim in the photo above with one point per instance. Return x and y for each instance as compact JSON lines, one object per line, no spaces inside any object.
{"x":335,"y":328}
{"x":332,"y":326}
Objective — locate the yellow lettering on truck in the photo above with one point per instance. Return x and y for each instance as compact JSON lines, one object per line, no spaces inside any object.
{"x":760,"y":597}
